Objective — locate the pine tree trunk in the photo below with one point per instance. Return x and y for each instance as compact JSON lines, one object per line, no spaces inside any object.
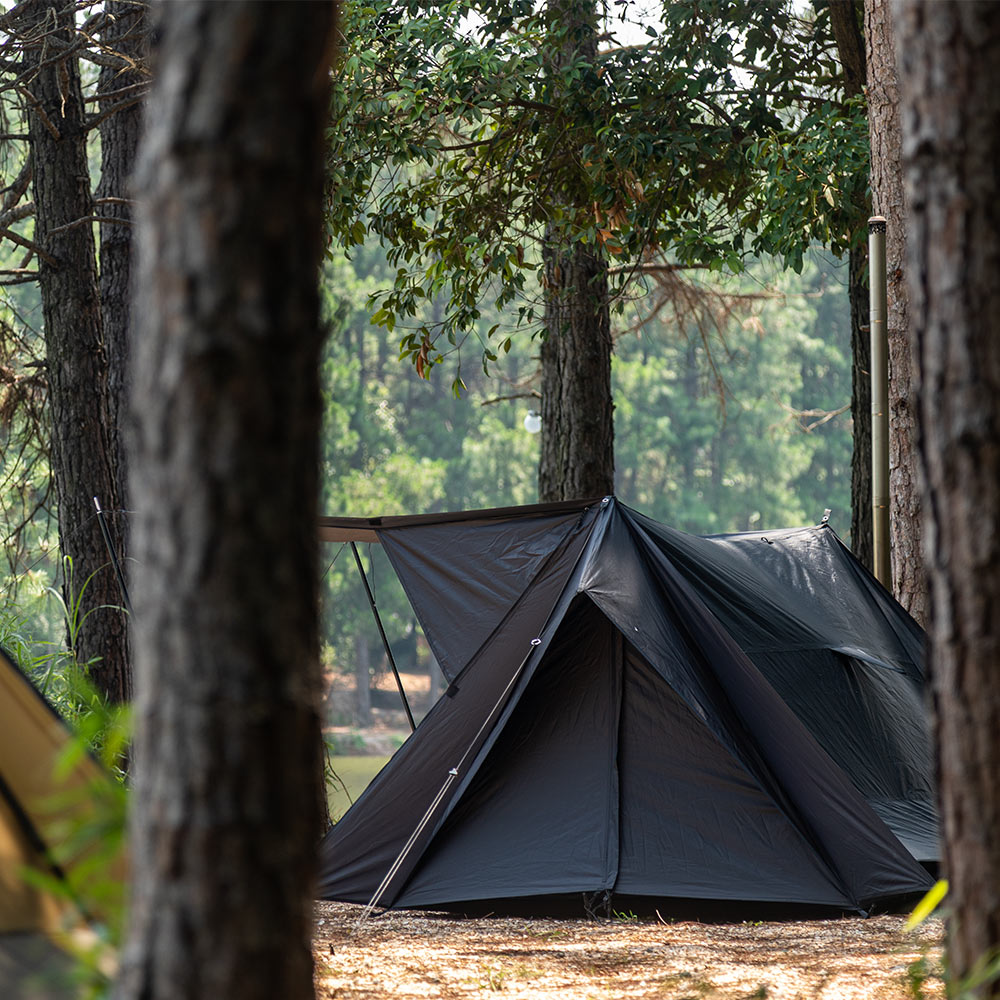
{"x":224,"y":476}
{"x":908,"y":581}
{"x":81,"y":449}
{"x":948,"y":53}
{"x":577,"y":447}
{"x":125,"y":34}
{"x":577,"y":440}
{"x":861,"y":409}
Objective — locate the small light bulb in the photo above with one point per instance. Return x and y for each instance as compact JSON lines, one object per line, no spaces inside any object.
{"x":532,"y":422}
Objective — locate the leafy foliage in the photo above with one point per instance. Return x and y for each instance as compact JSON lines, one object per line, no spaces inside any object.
{"x":455,"y":128}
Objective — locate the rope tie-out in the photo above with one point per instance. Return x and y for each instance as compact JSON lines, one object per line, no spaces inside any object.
{"x":453,"y":774}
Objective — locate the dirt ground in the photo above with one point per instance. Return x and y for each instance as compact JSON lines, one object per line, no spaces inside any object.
{"x":401,"y":954}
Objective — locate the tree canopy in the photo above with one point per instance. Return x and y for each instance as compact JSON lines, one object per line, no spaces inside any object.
{"x":722,"y":133}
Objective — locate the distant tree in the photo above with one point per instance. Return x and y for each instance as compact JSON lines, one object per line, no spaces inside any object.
{"x":224,"y":476}
{"x":950,"y":116}
{"x":577,"y":448}
{"x":905,"y":518}
{"x":122,"y":83}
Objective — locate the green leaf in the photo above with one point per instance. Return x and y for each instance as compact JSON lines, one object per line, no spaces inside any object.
{"x":927,"y":905}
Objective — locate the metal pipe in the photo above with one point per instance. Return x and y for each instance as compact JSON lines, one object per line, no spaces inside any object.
{"x":385,"y":641}
{"x":880,"y":399}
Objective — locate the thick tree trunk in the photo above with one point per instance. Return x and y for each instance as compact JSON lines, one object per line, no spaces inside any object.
{"x":908,"y":580}
{"x":81,"y":450}
{"x":951,"y":145}
{"x":226,"y":408}
{"x":577,"y":445}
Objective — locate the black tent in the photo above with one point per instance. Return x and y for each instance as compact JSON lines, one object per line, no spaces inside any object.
{"x":637,"y":711}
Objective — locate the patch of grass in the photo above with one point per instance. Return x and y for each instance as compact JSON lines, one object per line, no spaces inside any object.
{"x":693,"y":987}
{"x":492,"y":978}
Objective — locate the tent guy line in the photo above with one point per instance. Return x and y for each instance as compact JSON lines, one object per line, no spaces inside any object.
{"x":453,"y":774}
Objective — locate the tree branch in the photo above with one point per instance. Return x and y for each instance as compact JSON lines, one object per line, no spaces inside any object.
{"x":16,"y":214}
{"x":16,"y":189}
{"x":40,"y":111}
{"x":532,"y":394}
{"x":131,"y":90}
{"x":29,"y":245}
{"x":84,"y":220}
{"x":94,"y":120}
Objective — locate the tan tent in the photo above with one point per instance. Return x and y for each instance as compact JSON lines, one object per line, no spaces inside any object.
{"x":45,"y":794}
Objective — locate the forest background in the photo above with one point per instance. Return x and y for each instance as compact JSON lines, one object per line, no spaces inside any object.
{"x":732,"y":413}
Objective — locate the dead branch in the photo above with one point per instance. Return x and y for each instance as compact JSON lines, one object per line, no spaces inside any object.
{"x":21,"y":241}
{"x":130,"y":91}
{"x":94,"y":120}
{"x":40,"y":111}
{"x":85,"y":220}
{"x":532,"y":394}
{"x":803,"y":417}
{"x":16,"y":214}
{"x":17,"y":188}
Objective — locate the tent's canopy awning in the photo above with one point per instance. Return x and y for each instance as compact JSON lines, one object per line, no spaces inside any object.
{"x":366,"y":529}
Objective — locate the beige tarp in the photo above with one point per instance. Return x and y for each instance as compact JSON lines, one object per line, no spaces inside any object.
{"x":41,"y":798}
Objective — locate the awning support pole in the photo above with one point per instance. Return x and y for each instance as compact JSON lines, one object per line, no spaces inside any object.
{"x":878,"y":297}
{"x":385,"y":641}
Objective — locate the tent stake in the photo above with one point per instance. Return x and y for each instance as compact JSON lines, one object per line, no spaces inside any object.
{"x":385,"y":641}
{"x":114,"y":556}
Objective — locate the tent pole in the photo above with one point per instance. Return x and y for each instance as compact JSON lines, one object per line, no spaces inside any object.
{"x":880,"y":399}
{"x":385,"y":641}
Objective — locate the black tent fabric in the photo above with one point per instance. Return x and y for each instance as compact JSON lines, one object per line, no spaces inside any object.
{"x":639,"y":712}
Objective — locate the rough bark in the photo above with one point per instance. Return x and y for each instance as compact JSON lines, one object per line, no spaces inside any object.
{"x":845,"y":20}
{"x":846,"y":26}
{"x":81,"y":456}
{"x":224,"y":475}
{"x":861,"y":409}
{"x":951,"y":145}
{"x":577,"y":447}
{"x":908,"y":581}
{"x":577,"y":439}
{"x":126,"y":34}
